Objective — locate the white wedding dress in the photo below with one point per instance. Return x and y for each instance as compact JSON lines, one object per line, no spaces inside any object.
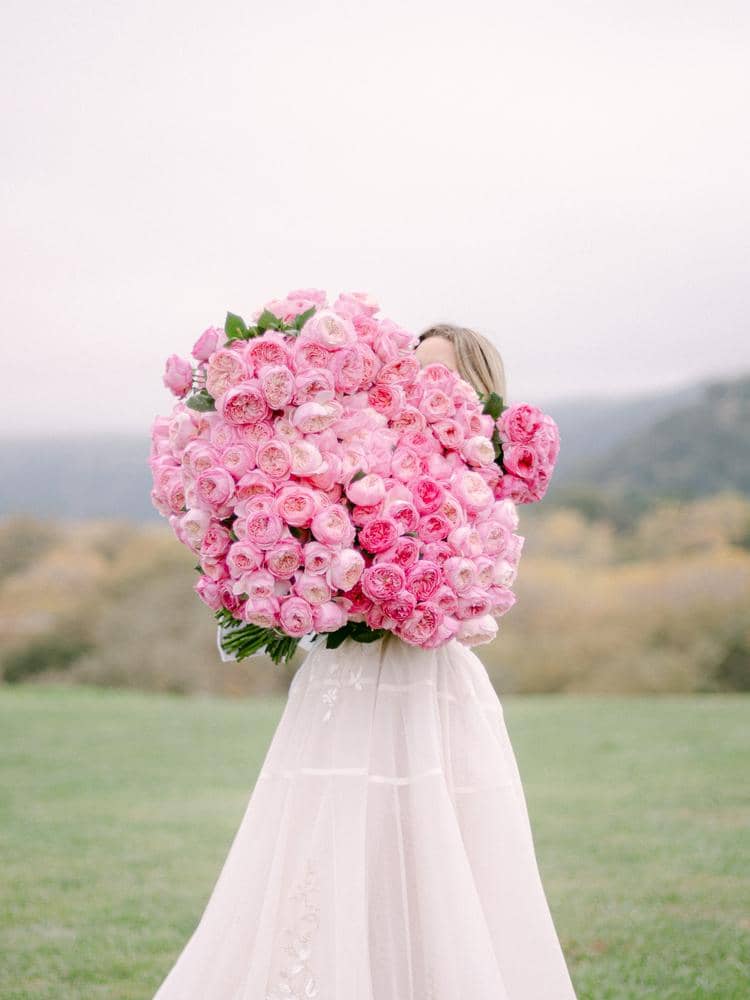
{"x":385,"y":852}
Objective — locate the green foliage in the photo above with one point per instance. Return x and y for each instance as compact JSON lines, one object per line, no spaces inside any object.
{"x":244,"y":640}
{"x":47,"y":652}
{"x":201,"y":400}
{"x":235,"y":327}
{"x":493,"y":404}
{"x":358,"y":631}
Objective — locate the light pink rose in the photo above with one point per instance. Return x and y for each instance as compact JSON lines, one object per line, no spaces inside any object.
{"x":317,"y":557}
{"x":243,"y":404}
{"x":475,"y":631}
{"x":274,"y":458}
{"x":437,"y":405}
{"x":405,"y":464}
{"x":264,"y":529}
{"x":277,"y":385}
{"x":496,"y":537}
{"x":502,"y":599}
{"x":348,"y":369}
{"x":262,"y":611}
{"x":178,"y":375}
{"x":225,"y":368}
{"x":383,"y":581}
{"x":326,"y":327}
{"x":214,"y":488}
{"x":216,"y":541}
{"x":408,"y":419}
{"x":438,"y":552}
{"x":521,"y":460}
{"x":351,"y":304}
{"x":473,"y":603}
{"x":296,"y":505}
{"x":401,"y":371}
{"x":270,"y":349}
{"x":478,"y":450}
{"x":346,"y":569}
{"x":472,"y":491}
{"x":208,"y":591}
{"x":255,"y":583}
{"x":461,"y":573}
{"x":387,"y":399}
{"x":361,"y":515}
{"x":316,"y":416}
{"x":194,"y":525}
{"x":332,"y":526}
{"x":367,"y":490}
{"x":313,"y":587}
{"x":254,"y":483}
{"x":466,"y":540}
{"x":207,"y":343}
{"x":306,"y":458}
{"x":446,"y":599}
{"x":403,"y":513}
{"x":311,"y":383}
{"x":449,"y":433}
{"x":284,"y":558}
{"x":329,"y":617}
{"x":243,"y":557}
{"x":238,"y":459}
{"x":295,"y":616}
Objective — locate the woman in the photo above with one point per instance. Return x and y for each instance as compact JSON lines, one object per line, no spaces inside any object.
{"x":385,"y":852}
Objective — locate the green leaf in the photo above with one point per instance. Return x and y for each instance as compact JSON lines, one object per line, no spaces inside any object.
{"x":201,"y":400}
{"x":359,"y":474}
{"x":267,"y":321}
{"x":299,"y":321}
{"x":198,"y":568}
{"x":497,"y":445}
{"x":493,"y":404}
{"x":235,"y":327}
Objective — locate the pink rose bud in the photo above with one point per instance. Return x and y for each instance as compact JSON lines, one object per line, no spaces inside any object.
{"x":178,"y":375}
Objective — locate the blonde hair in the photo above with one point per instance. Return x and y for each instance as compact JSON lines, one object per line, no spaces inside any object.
{"x":477,"y":359}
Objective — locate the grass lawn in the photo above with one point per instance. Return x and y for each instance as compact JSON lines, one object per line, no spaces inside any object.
{"x":117,"y":809}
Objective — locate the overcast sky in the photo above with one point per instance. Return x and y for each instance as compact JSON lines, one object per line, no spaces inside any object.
{"x":570,"y":179}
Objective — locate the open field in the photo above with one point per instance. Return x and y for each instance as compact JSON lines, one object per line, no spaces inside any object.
{"x":118,"y":807}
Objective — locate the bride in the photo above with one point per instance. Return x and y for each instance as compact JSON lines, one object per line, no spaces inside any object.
{"x":385,"y":852}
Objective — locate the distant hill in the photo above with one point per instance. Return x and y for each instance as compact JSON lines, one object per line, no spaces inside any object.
{"x":686,"y":442}
{"x":699,"y":448}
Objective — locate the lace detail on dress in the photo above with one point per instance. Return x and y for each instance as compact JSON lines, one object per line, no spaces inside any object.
{"x":297,"y":981}
{"x":340,"y":676}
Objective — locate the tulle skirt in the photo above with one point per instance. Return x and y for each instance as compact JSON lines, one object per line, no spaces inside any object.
{"x":385,"y":852}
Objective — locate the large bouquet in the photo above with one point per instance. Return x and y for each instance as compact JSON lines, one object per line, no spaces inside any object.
{"x":329,"y":484}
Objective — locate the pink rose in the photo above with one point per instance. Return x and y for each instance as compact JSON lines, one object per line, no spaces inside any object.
{"x":214,"y":488}
{"x":472,"y":491}
{"x":346,"y":569}
{"x":405,"y":464}
{"x":383,"y":581}
{"x":403,"y":513}
{"x":366,"y":490}
{"x":519,"y":423}
{"x":361,"y":515}
{"x":306,"y":458}
{"x":264,"y":529}
{"x":238,"y":459}
{"x":428,"y":494}
{"x":473,"y":603}
{"x":424,"y":579}
{"x":243,"y":404}
{"x":194,"y":525}
{"x":208,"y":591}
{"x":295,"y":616}
{"x":178,"y":375}
{"x":309,"y":384}
{"x":437,"y":405}
{"x":521,"y":460}
{"x":313,"y":588}
{"x":460,"y":573}
{"x":404,"y":552}
{"x":420,"y":626}
{"x":332,"y":526}
{"x":502,"y":599}
{"x":386,"y":399}
{"x":317,"y":557}
{"x":401,"y":371}
{"x":348,"y":369}
{"x":225,"y":368}
{"x":329,"y":617}
{"x":449,"y":433}
{"x":270,"y":349}
{"x":379,"y":534}
{"x":478,"y":450}
{"x":296,"y":505}
{"x":207,"y":343}
{"x":434,"y":527}
{"x":316,"y":416}
{"x":262,"y":611}
{"x":355,"y":304}
{"x":400,"y":607}
{"x":475,"y":631}
{"x":274,"y":458}
{"x":243,"y":557}
{"x":284,"y":558}
{"x":276,"y":385}
{"x":254,"y":483}
{"x":408,"y":419}
{"x":438,"y":552}
{"x":216,"y":541}
{"x":446,"y":600}
{"x":256,"y":583}
{"x":466,"y":541}
{"x":329,"y":329}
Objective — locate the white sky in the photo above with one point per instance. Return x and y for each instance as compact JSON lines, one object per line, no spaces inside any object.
{"x":571,"y":179}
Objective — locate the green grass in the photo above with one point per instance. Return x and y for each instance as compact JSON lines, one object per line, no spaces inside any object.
{"x":117,"y":810}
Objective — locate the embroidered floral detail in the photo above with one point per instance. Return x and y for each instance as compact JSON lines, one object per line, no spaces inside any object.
{"x":340,"y":676}
{"x":297,"y":981}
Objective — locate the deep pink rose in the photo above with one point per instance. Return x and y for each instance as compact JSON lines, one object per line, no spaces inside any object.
{"x":434,"y":527}
{"x":379,"y":534}
{"x":428,"y":494}
{"x":383,"y":581}
{"x":519,"y":423}
{"x":424,"y":579}
{"x":400,"y":607}
{"x":420,"y":626}
{"x":404,"y":552}
{"x":521,"y":460}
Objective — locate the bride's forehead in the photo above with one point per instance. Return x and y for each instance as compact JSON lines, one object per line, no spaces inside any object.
{"x":434,"y":349}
